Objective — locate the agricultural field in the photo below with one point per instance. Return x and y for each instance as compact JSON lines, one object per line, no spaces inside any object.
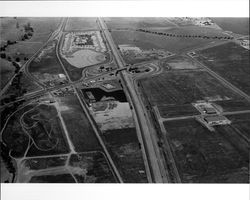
{"x":80,"y":130}
{"x":147,"y":41}
{"x":202,"y":156}
{"x":231,"y":61}
{"x":137,"y":22}
{"x":81,"y":23}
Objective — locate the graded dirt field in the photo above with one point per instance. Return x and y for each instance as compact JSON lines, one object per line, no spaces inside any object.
{"x":179,"y":63}
{"x":231,"y":61}
{"x":85,"y":57}
{"x":148,"y":41}
{"x":124,"y":148}
{"x":81,"y":23}
{"x":137,"y":22}
{"x":80,"y":130}
{"x":203,"y":156}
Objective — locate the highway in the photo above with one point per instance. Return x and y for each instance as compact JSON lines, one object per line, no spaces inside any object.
{"x":24,"y":66}
{"x":85,"y":109}
{"x":152,"y":153}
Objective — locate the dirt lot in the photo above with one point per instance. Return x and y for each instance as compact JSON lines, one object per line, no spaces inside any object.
{"x":91,"y":168}
{"x":231,"y":61}
{"x":207,"y":157}
{"x":83,"y":58}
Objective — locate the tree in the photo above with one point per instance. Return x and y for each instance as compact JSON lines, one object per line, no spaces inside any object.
{"x":17,"y":59}
{"x":3,"y":55}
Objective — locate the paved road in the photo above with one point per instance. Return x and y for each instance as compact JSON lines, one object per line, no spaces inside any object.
{"x":87,"y":113}
{"x":51,"y":37}
{"x":141,"y":117}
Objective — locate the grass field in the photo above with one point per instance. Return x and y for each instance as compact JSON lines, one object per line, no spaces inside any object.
{"x":137,"y":22}
{"x":81,"y":23}
{"x":124,"y":149}
{"x":231,"y":61}
{"x":241,"y":124}
{"x":207,"y":157}
{"x":44,"y":127}
{"x":80,"y":130}
{"x":174,"y":91}
{"x":179,"y":63}
{"x":7,"y":70}
{"x":91,"y":168}
{"x":59,"y":178}
{"x":148,"y":41}
{"x":44,"y":163}
{"x":46,"y":61}
{"x":13,"y":135}
{"x":184,"y":88}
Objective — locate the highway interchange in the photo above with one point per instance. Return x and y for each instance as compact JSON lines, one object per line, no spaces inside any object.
{"x":153,"y":158}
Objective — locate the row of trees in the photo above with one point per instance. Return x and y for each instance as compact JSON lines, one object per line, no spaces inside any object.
{"x":187,"y":36}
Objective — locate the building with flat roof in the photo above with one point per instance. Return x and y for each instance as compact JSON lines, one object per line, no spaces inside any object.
{"x":216,"y":120}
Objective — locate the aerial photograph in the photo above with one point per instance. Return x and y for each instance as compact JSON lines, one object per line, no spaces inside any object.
{"x":124,"y":100}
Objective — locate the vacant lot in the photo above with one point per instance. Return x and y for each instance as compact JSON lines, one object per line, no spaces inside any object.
{"x":12,"y":28}
{"x":14,"y":136}
{"x":91,"y":168}
{"x":46,"y":62}
{"x":181,"y":88}
{"x":184,"y":88}
{"x":59,"y":178}
{"x":137,"y":22}
{"x":148,"y":41}
{"x":233,"y":105}
{"x":123,"y":146}
{"x":179,"y":63}
{"x":81,"y":23}
{"x":231,"y":61}
{"x":241,"y":124}
{"x":7,"y":70}
{"x":44,"y":163}
{"x":80,"y":130}
{"x":202,"y":156}
{"x":43,"y":125}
